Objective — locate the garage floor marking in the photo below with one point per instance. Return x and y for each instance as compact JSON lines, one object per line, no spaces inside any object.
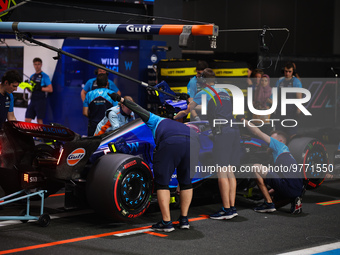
{"x":57,"y":195}
{"x":79,"y":239}
{"x":332,"y":248}
{"x":329,"y":202}
{"x":155,"y":234}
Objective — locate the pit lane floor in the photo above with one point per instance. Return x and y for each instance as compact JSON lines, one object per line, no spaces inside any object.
{"x":249,"y":233}
{"x":84,"y":232}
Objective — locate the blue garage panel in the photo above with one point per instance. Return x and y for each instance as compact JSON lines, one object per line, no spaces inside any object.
{"x":130,"y":57}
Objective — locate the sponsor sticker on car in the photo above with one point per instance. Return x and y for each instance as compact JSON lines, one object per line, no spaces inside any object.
{"x":75,"y":156}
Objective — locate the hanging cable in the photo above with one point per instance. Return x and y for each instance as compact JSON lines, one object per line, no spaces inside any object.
{"x":261,"y":30}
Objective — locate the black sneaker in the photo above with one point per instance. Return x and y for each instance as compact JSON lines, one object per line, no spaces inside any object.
{"x":162,"y":226}
{"x":183,"y":222}
{"x":233,"y":209}
{"x":265,"y":207}
{"x":296,"y":206}
{"x":223,"y":214}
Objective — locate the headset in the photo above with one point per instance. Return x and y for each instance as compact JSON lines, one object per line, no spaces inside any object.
{"x":203,"y":80}
{"x":291,"y":64}
{"x":96,"y":71}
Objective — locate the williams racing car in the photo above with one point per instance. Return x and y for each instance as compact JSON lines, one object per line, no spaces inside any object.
{"x":115,"y":180}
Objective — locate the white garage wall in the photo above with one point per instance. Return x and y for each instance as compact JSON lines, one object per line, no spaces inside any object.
{"x":30,"y":52}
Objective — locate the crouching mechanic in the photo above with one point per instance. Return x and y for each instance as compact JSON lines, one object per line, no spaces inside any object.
{"x":173,"y":142}
{"x":288,"y":184}
{"x":115,"y":117}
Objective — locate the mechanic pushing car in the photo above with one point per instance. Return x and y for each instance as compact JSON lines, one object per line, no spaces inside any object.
{"x":288,"y":185}
{"x":226,"y":152}
{"x":173,"y":142}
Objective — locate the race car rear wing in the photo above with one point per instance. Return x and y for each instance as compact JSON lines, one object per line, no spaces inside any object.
{"x":41,"y":130}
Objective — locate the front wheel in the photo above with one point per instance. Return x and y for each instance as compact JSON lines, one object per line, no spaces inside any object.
{"x":312,"y":157}
{"x":120,"y":186}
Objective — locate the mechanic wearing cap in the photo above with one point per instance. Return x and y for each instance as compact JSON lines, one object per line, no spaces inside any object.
{"x":38,"y":104}
{"x":96,"y":103}
{"x":288,"y":185}
{"x":91,"y":84}
{"x":173,"y":142}
{"x":115,"y":117}
{"x":9,"y":83}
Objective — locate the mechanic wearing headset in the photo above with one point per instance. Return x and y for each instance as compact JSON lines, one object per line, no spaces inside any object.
{"x":226,"y":152}
{"x":173,"y":142}
{"x":9,"y":83}
{"x":205,"y":86}
{"x":96,"y":103}
{"x":115,"y":117}
{"x":192,"y":87}
{"x":288,"y":185}
{"x":289,"y":80}
{"x":226,"y":140}
{"x":91,"y":84}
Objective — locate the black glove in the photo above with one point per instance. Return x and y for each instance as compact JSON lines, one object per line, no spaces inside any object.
{"x":239,"y":117}
{"x":115,"y":97}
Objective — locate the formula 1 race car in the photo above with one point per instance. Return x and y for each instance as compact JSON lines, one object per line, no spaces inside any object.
{"x":117,"y":185}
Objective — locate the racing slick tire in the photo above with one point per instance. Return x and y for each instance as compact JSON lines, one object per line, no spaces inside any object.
{"x":312,"y":157}
{"x":119,"y":186}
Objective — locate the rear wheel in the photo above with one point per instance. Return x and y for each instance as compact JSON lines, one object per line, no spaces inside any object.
{"x":120,"y":186}
{"x":312,"y":157}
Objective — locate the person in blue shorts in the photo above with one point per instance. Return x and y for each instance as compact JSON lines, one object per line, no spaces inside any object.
{"x":91,"y":84}
{"x":226,"y":152}
{"x":226,"y":139}
{"x":173,"y":143}
{"x":286,"y":183}
{"x":43,"y":85}
{"x":115,"y":117}
{"x":9,"y":83}
{"x":96,"y":103}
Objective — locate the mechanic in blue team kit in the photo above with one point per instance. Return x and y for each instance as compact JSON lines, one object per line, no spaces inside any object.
{"x":9,"y":83}
{"x":206,"y":85}
{"x":91,"y":84}
{"x":173,"y":143}
{"x":288,"y":184}
{"x":115,"y":117}
{"x":96,"y":103}
{"x":38,"y":104}
{"x":226,"y":140}
{"x":288,"y":81}
{"x":226,"y":152}
{"x":192,"y":87}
